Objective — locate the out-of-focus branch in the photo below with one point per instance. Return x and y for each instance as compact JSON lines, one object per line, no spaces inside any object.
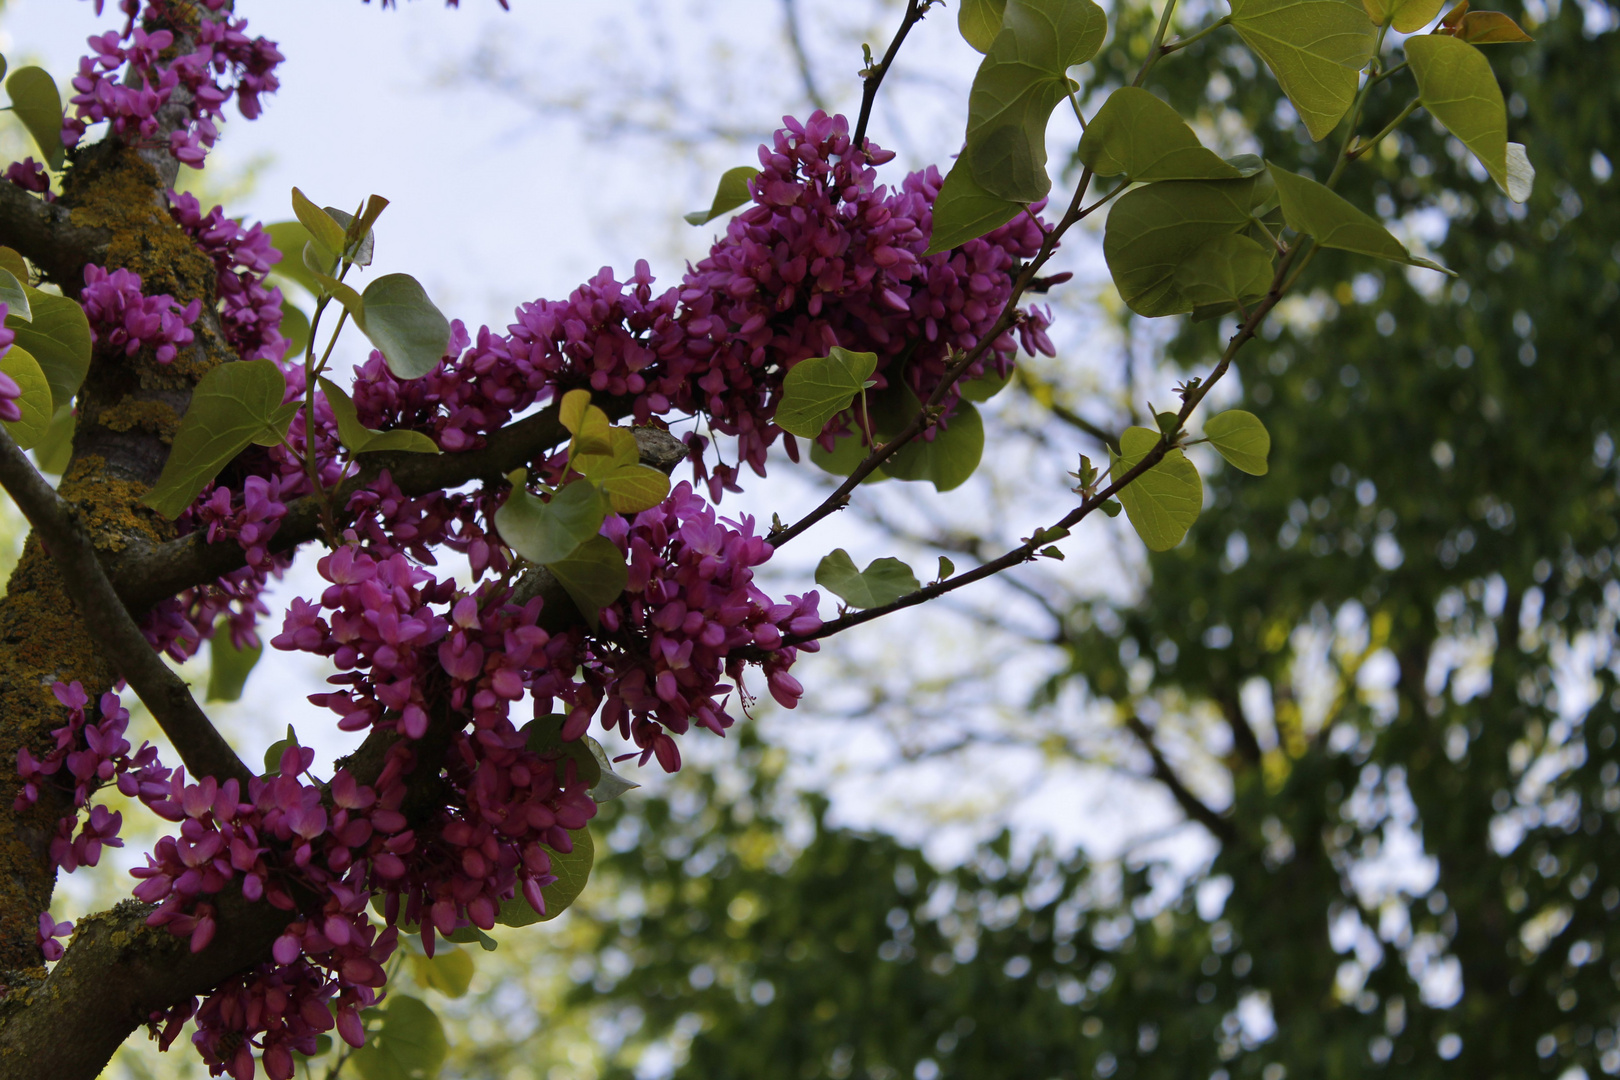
{"x":795,"y":37}
{"x":200,"y":745}
{"x":1190,"y":804}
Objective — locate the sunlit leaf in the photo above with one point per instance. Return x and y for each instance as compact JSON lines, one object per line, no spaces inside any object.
{"x":1163,"y":502}
{"x":14,"y":295}
{"x":1318,"y":211}
{"x":1521,"y":175}
{"x":882,"y":582}
{"x":730,"y":193}
{"x":290,"y":238}
{"x":361,"y":439}
{"x":1241,"y":439}
{"x":1457,"y":86}
{"x":53,"y":452}
{"x":1490,"y":28}
{"x":35,"y":402}
{"x":1316,"y":48}
{"x":1406,"y":16}
{"x":449,"y":971}
{"x":326,"y":230}
{"x":980,"y":22}
{"x":1137,"y":135}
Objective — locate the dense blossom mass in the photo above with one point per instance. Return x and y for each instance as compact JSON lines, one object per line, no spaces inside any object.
{"x":824,"y":255}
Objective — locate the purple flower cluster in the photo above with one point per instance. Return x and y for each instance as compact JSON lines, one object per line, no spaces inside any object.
{"x":30,"y":175}
{"x":825,"y":256}
{"x":121,"y":316}
{"x":10,"y":392}
{"x":250,"y":311}
{"x":124,"y":84}
{"x":690,"y":603}
{"x":342,"y":841}
{"x":92,"y":749}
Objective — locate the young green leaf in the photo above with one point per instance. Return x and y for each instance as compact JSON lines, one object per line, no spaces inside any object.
{"x":449,"y":971}
{"x":543,"y":735}
{"x":1137,"y":135}
{"x":949,"y":458}
{"x":946,"y":568}
{"x":632,"y":488}
{"x":228,"y":666}
{"x":1231,"y":267}
{"x":730,"y":193}
{"x":38,"y":104}
{"x":15,"y":296}
{"x":965,"y":211}
{"x":322,"y":226}
{"x":1406,"y":16}
{"x":573,"y":870}
{"x":1021,"y":80}
{"x":1154,"y":229}
{"x":360,"y":252}
{"x":1163,"y":502}
{"x":233,"y":404}
{"x":818,"y":387}
{"x":1457,"y":86}
{"x":321,"y":266}
{"x":361,"y":439}
{"x":52,"y":453}
{"x":544,"y":532}
{"x":1241,"y":439}
{"x":58,"y":336}
{"x":980,"y":22}
{"x":276,"y":431}
{"x":1319,"y":211}
{"x":609,"y":784}
{"x":1316,"y":48}
{"x":882,"y":582}
{"x":1490,"y":28}
{"x":410,"y":1046}
{"x":403,"y":323}
{"x":35,"y":402}
{"x":11,"y":259}
{"x":846,"y":455}
{"x":594,"y":575}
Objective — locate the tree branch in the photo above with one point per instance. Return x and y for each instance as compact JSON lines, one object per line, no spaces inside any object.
{"x":790,"y":16}
{"x":45,"y":233}
{"x":915,"y":10}
{"x":200,"y":745}
{"x":1190,"y":804}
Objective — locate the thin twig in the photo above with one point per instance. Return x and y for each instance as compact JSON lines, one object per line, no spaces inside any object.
{"x":790,"y":16}
{"x":1190,"y":804}
{"x":200,"y":745}
{"x":915,"y":10}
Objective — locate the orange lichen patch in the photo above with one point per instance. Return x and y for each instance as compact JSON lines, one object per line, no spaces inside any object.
{"x":121,"y":193}
{"x":155,"y":417}
{"x":42,"y":640}
{"x":110,"y":510}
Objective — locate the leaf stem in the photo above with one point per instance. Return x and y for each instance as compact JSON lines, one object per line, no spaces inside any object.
{"x":1362,"y":148}
{"x":1156,"y":49}
{"x":1182,"y":43}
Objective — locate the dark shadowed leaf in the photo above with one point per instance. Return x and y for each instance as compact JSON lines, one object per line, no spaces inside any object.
{"x":573,"y":870}
{"x":228,"y":666}
{"x":949,"y":459}
{"x":1151,"y":231}
{"x":1231,"y":267}
{"x":546,"y":531}
{"x":410,"y":1046}
{"x":594,"y":575}
{"x":233,"y":404}
{"x":361,"y":439}
{"x":38,"y":105}
{"x":15,"y":296}
{"x":965,"y":211}
{"x":405,"y":325}
{"x":1319,"y":211}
